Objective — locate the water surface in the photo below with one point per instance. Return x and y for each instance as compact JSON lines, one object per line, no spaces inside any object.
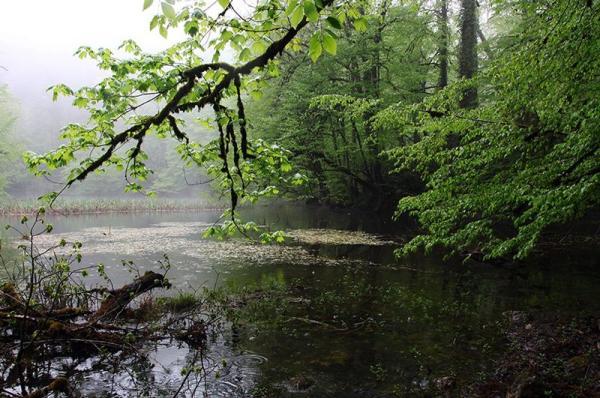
{"x":354,"y":321}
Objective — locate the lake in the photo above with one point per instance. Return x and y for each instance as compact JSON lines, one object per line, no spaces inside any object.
{"x":355,"y":322}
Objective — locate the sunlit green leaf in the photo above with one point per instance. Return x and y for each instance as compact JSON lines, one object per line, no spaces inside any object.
{"x":314,"y":47}
{"x":329,"y":43}
{"x":360,"y":24}
{"x":245,"y":55}
{"x":310,"y":10}
{"x":154,"y":22}
{"x":292,"y":4}
{"x":168,"y":10}
{"x":163,"y":31}
{"x":297,"y":16}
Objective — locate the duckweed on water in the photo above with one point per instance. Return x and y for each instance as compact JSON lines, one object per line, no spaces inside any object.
{"x":318,"y":236}
{"x":184,"y":238}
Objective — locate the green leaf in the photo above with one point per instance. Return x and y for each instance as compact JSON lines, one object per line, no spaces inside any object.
{"x":297,"y":16}
{"x":315,"y":48}
{"x":226,"y":36}
{"x":245,"y":55}
{"x":360,"y":24}
{"x":259,"y":46}
{"x":256,"y":95}
{"x":163,"y":31}
{"x":334,"y":22}
{"x":329,"y":43}
{"x":223,"y":3}
{"x":291,"y":7}
{"x":191,"y":27}
{"x":310,"y":10}
{"x":147,"y":3}
{"x":168,"y":10}
{"x":154,"y":22}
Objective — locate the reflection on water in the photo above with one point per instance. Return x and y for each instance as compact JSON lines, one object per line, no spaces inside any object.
{"x":355,"y":323}
{"x":228,"y":374}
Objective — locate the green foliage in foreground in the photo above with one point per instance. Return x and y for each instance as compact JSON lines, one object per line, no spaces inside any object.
{"x":528,"y":158}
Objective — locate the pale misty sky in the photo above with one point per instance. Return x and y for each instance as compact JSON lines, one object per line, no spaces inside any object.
{"x":37,"y":42}
{"x":38,"y":39}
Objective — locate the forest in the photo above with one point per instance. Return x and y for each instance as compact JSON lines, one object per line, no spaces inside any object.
{"x":301,"y":198}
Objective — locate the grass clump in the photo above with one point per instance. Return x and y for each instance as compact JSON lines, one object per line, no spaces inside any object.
{"x":182,"y":302}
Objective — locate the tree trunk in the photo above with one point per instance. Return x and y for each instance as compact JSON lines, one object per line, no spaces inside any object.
{"x":467,"y":59}
{"x":372,"y":76}
{"x":443,"y":38}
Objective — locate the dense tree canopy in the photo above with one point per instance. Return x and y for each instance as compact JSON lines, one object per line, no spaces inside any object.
{"x":527,"y":157}
{"x":497,"y":175}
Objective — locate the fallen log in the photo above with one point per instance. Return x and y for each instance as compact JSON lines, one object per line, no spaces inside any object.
{"x":118,"y":299}
{"x":59,"y":320}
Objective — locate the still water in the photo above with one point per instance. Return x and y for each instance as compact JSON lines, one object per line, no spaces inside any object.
{"x":356,"y":322}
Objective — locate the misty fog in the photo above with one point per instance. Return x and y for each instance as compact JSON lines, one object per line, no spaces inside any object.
{"x":39,"y":53}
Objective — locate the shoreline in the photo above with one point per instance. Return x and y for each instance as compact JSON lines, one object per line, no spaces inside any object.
{"x":57,"y":212}
{"x":71,"y":207}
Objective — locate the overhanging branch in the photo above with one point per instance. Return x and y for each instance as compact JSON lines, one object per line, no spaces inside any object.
{"x":175,"y":105}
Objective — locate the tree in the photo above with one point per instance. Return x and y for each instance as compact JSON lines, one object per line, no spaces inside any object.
{"x":527,"y":158}
{"x":467,"y":59}
{"x":8,"y":147}
{"x":504,"y":153}
{"x":181,"y":80}
{"x":324,"y":109}
{"x":444,"y":38}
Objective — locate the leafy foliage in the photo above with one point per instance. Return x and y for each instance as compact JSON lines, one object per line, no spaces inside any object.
{"x":184,"y":79}
{"x":488,"y":177}
{"x":324,"y":109}
{"x":498,"y":176}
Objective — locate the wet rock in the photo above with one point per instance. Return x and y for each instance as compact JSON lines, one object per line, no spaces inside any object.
{"x":579,"y":362}
{"x":301,"y":383}
{"x":444,"y":384}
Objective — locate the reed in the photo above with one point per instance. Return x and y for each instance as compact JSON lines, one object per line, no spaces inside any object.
{"x":68,"y":206}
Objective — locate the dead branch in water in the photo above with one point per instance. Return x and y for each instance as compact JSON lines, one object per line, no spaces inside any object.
{"x":118,"y":300}
{"x":59,"y":384}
